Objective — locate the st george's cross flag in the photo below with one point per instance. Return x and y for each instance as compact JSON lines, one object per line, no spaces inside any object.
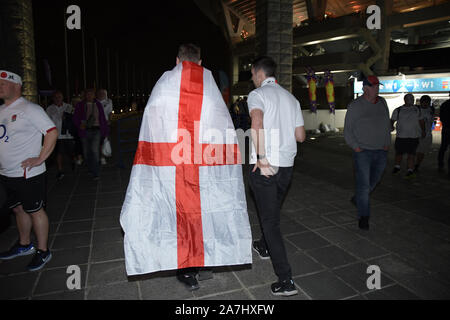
{"x":185,"y":204}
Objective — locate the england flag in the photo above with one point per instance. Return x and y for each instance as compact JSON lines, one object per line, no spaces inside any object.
{"x":185,"y":204}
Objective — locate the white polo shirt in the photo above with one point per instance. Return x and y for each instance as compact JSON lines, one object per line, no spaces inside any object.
{"x":282,"y":114}
{"x":22,"y":125}
{"x":56,"y":115}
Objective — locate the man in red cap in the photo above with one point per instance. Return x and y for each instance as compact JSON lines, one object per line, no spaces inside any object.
{"x":367,"y":131}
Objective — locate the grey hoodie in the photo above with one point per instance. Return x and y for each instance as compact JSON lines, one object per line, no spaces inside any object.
{"x":367,"y":125}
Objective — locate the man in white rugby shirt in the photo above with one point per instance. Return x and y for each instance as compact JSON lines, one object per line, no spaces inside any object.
{"x":22,"y":168}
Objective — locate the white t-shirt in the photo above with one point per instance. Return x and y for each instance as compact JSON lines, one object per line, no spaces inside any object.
{"x":56,"y":114}
{"x":407,"y":121}
{"x":282,"y":114}
{"x":22,"y":125}
{"x":107,"y":107}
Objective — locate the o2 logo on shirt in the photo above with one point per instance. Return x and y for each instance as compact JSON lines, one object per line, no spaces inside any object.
{"x":3,"y":135}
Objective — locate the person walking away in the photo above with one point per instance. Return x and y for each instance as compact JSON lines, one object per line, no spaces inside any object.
{"x":274,"y":112}
{"x":425,"y":143}
{"x":444,"y":115}
{"x":410,"y":128}
{"x":185,"y":206}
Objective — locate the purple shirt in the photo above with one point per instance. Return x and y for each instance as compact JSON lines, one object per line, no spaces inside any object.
{"x":80,"y":115}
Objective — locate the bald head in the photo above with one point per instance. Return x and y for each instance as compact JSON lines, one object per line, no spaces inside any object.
{"x":102,"y":94}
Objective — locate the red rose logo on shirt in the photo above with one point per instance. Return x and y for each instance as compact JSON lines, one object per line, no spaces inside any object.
{"x":14,"y":118}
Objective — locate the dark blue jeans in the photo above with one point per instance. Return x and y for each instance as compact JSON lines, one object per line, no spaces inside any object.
{"x":369,"y":168}
{"x":91,"y":150}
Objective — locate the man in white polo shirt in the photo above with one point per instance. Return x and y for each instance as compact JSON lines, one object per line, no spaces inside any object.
{"x":22,"y":167}
{"x":277,"y":125}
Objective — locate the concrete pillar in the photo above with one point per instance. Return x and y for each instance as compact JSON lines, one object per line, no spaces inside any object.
{"x":235,"y":69}
{"x":274,"y":22}
{"x":17,"y":43}
{"x":384,"y":36}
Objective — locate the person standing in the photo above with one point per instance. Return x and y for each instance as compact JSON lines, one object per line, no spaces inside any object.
{"x":427,"y":114}
{"x":410,"y":127}
{"x":102,"y":96}
{"x":367,"y":130}
{"x":61,"y":114}
{"x":22,"y":168}
{"x":274,"y":112}
{"x":89,"y":118}
{"x":444,"y":115}
{"x":185,"y":205}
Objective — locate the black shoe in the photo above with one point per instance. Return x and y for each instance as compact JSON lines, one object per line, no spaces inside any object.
{"x":284,"y":288}
{"x":364,"y":223}
{"x":395,"y":170}
{"x":205,"y":274}
{"x":60,"y":175}
{"x":189,"y":280}
{"x":39,"y":260}
{"x":262,"y":252}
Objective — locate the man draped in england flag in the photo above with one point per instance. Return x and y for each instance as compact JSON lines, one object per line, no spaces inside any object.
{"x":185,"y":205}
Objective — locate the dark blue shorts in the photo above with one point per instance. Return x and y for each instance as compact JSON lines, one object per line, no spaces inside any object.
{"x":406,"y":145}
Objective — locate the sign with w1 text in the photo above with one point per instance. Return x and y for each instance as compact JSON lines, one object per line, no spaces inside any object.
{"x":410,"y":85}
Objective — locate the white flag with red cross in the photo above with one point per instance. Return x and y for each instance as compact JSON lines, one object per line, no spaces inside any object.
{"x":185,"y":204}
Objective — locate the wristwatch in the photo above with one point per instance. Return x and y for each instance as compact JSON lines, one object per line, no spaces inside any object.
{"x":260,"y":157}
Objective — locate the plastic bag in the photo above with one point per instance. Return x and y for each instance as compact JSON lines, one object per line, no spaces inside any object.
{"x":106,"y":148}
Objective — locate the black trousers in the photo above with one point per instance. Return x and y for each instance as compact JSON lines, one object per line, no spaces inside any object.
{"x":445,"y":143}
{"x":269,"y":195}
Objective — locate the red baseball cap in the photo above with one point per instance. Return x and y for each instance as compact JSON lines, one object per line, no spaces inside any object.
{"x":371,"y":81}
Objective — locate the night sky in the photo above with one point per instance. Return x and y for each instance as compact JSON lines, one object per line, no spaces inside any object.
{"x":146,"y":33}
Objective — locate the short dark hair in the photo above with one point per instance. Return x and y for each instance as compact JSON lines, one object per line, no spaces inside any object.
{"x":57,"y":91}
{"x":265,"y":63}
{"x":425,"y":99}
{"x":189,"y":52}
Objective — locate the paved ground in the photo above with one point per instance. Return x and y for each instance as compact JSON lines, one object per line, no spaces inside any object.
{"x":408,"y":240}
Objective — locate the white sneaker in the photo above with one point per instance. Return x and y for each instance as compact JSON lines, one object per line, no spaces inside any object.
{"x":103,"y":161}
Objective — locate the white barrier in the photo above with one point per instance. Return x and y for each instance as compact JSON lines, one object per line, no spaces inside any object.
{"x":312,"y":120}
